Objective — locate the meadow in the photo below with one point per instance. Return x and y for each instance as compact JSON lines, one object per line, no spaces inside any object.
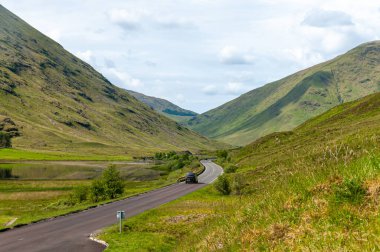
{"x":11,"y":154}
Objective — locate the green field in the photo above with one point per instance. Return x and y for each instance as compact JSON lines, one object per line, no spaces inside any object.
{"x":314,"y":189}
{"x":19,"y":154}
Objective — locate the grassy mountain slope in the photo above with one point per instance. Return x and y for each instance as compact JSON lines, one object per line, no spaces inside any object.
{"x":285,"y":104}
{"x":165,"y":107}
{"x":60,"y":103}
{"x":316,"y":188}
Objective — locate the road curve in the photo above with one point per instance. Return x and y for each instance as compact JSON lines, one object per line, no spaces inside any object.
{"x":71,"y":232}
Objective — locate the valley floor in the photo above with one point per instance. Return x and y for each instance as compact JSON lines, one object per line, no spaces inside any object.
{"x":35,"y":190}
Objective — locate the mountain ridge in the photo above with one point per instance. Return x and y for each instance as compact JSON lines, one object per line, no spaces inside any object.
{"x":286,"y":103}
{"x":164,"y":107}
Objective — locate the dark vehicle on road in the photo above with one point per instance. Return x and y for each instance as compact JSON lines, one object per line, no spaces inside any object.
{"x":191,"y":178}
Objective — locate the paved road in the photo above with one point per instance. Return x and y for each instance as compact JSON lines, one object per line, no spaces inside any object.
{"x":70,"y":233}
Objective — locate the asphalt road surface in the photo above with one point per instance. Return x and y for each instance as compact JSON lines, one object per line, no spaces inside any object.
{"x":71,"y":232}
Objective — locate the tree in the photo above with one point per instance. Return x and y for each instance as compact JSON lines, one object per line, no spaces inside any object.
{"x":109,"y":186}
{"x":113,"y":183}
{"x":222,"y":154}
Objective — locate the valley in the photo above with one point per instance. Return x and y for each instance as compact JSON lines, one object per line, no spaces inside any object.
{"x":293,"y":165}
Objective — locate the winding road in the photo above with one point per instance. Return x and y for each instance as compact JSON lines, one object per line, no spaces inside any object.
{"x":71,"y":232}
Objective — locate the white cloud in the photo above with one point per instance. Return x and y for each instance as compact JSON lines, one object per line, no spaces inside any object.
{"x":87,"y":56}
{"x":231,"y":88}
{"x":210,"y":90}
{"x":134,"y":19}
{"x":123,"y":79}
{"x":303,"y":55}
{"x":234,"y":56}
{"x":127,"y":19}
{"x":235,"y":88}
{"x":327,"y":18}
{"x":180,"y":98}
{"x":55,"y":34}
{"x":109,"y":63}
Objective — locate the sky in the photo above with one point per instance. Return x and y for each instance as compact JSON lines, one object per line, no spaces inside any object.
{"x":200,"y":54}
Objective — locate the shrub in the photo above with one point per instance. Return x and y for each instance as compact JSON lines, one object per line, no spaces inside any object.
{"x":194,"y":164}
{"x":351,"y":191}
{"x":109,"y":186}
{"x":238,"y":184}
{"x":5,"y":173}
{"x":97,"y":191}
{"x":222,"y":185}
{"x":80,"y":194}
{"x":5,"y":140}
{"x":113,"y":183}
{"x":222,"y":154}
{"x":231,"y":169}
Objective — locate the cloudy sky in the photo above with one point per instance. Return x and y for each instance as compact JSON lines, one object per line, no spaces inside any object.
{"x":202,"y":53}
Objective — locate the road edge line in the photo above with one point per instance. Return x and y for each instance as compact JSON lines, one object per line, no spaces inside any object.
{"x":93,"y":238}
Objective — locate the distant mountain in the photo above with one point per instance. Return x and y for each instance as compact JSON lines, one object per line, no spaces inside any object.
{"x":51,"y":100}
{"x":165,"y":107}
{"x":285,"y":104}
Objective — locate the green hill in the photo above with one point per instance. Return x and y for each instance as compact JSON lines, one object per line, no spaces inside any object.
{"x":165,"y":107}
{"x":59,"y":103}
{"x":285,"y":104}
{"x":316,"y":188}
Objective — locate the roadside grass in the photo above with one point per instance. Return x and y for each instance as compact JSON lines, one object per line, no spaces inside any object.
{"x":163,"y":228}
{"x":30,"y":201}
{"x":19,"y":154}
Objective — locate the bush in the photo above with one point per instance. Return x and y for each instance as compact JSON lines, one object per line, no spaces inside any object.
{"x":231,"y":169}
{"x":6,"y":173}
{"x":113,"y":183}
{"x":109,"y":186}
{"x":5,"y":140}
{"x":222,"y":154}
{"x":239,"y":184}
{"x":222,"y":185}
{"x":351,"y":191}
{"x":97,"y":191}
{"x":80,"y":194}
{"x":194,"y":164}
